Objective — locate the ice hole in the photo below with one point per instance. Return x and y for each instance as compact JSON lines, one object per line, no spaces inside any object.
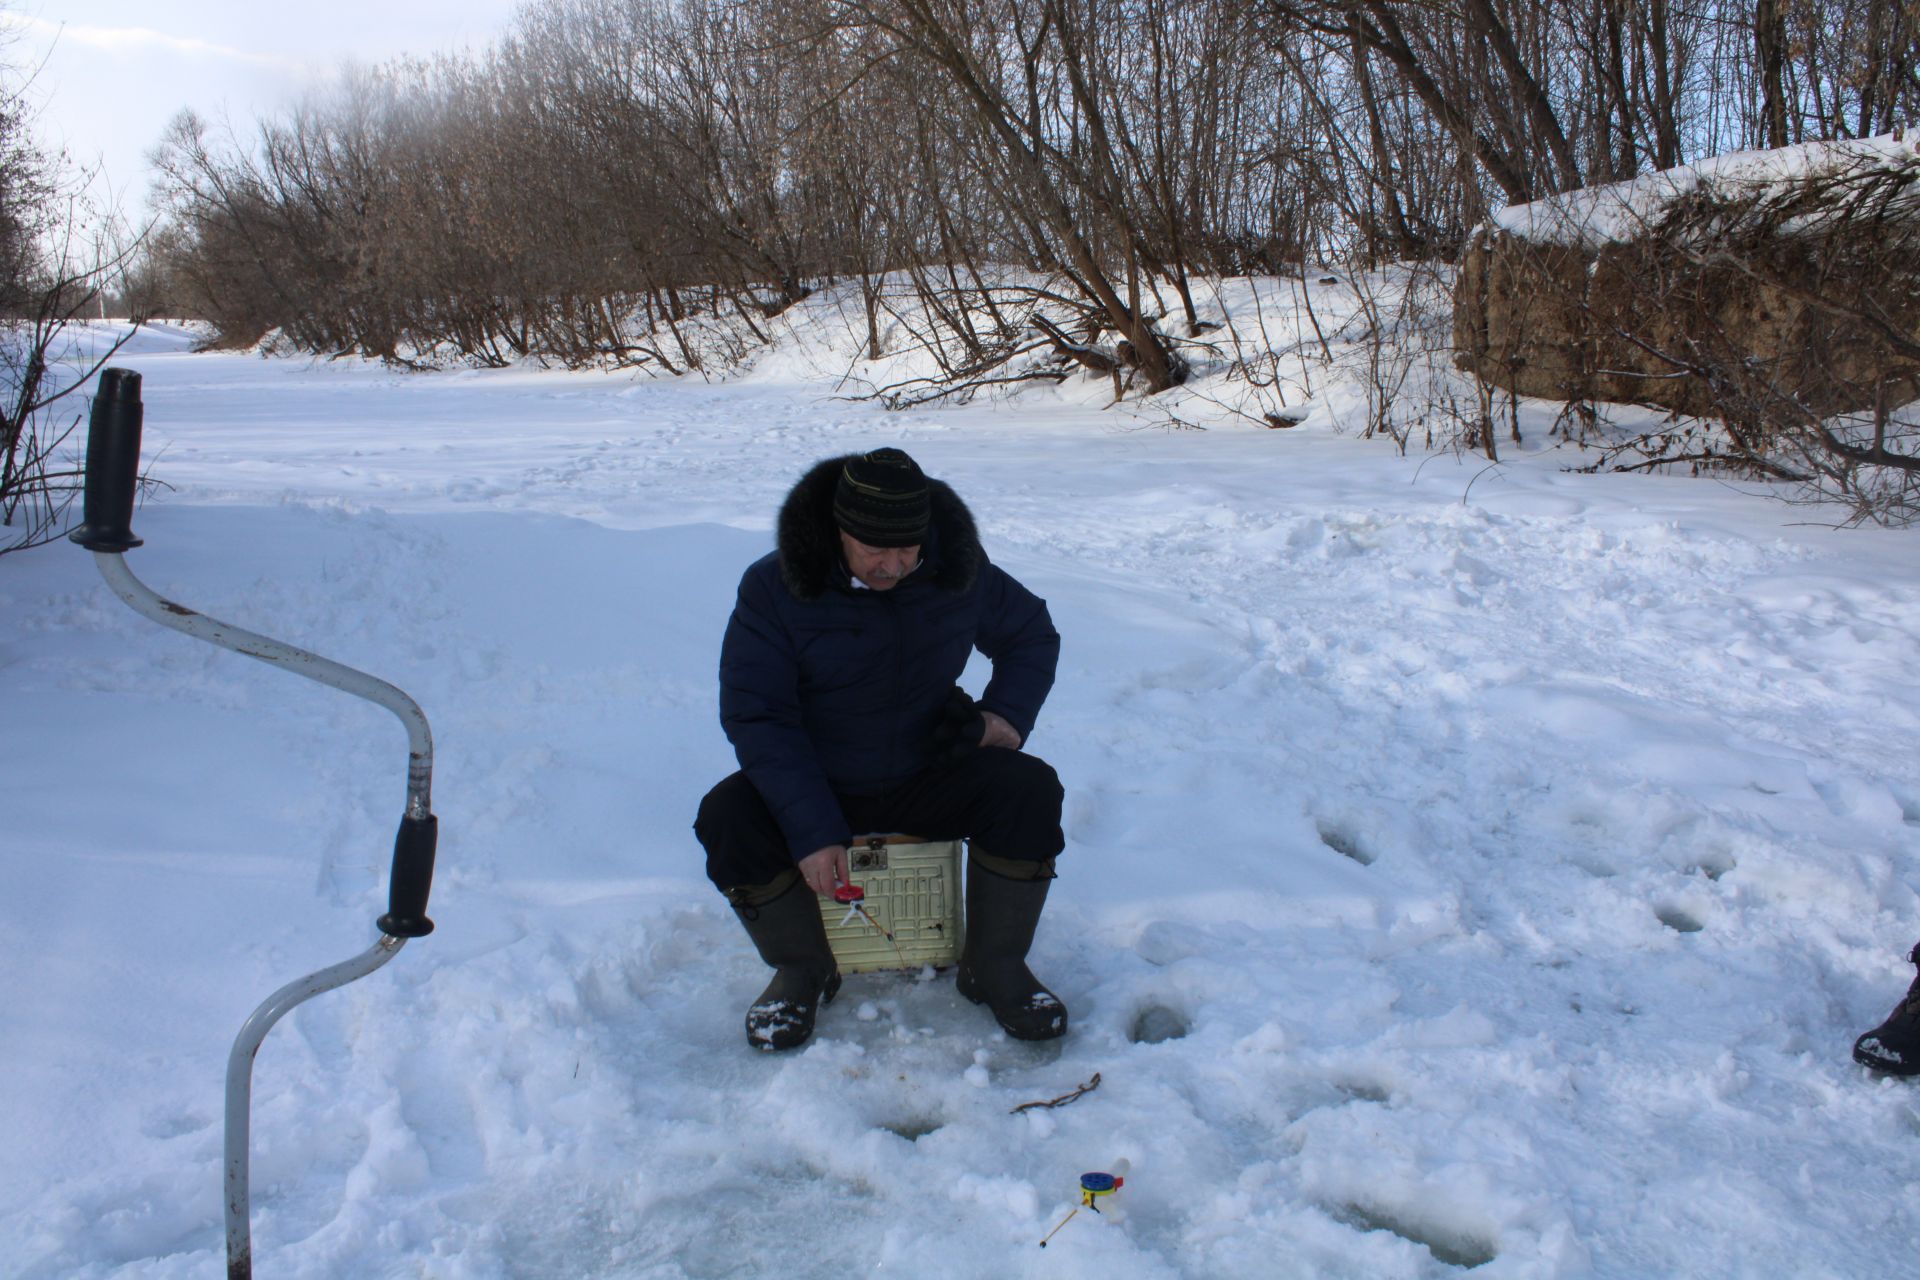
{"x":1678,"y":920}
{"x":913,"y":1128}
{"x":1156,"y":1024}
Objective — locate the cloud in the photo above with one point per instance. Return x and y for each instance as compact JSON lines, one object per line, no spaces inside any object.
{"x":136,"y":40}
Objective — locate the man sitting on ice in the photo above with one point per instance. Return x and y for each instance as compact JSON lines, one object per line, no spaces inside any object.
{"x":839,"y":691}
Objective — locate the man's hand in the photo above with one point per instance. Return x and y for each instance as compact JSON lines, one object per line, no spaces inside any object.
{"x":824,"y":870}
{"x":965,"y":724}
{"x":999,"y":733}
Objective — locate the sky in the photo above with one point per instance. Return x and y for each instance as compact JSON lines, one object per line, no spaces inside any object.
{"x":112,"y":73}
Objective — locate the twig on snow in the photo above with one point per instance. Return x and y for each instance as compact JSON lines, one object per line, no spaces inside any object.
{"x":1063,"y":1099}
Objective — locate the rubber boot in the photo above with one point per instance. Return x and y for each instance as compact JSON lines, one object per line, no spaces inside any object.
{"x":1893,"y":1047}
{"x":783,"y":919}
{"x":1004,"y":900}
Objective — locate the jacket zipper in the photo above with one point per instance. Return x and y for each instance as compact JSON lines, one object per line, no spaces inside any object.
{"x":899,"y":671}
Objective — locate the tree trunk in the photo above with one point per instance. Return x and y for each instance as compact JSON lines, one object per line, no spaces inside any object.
{"x":1770,"y":44}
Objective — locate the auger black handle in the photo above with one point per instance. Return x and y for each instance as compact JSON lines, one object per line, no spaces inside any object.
{"x":113,"y":464}
{"x":412,"y":878}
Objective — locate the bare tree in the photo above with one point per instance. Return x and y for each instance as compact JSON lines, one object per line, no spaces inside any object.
{"x":1024,"y":188}
{"x":58,"y":257}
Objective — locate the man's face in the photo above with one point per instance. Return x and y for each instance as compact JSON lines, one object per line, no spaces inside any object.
{"x":881,"y":568}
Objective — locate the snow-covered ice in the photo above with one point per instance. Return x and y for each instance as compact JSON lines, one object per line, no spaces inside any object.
{"x":1464,"y":870}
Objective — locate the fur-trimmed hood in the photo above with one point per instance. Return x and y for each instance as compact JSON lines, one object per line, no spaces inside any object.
{"x":809,"y":542}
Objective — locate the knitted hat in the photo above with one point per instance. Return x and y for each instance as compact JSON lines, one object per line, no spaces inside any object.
{"x":881,"y":500}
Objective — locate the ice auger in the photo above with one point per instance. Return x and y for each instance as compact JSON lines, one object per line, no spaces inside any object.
{"x":113,"y":460}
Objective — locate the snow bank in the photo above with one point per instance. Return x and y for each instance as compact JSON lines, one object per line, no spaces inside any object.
{"x":1622,"y":211}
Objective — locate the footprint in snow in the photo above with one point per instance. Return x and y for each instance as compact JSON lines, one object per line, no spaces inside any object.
{"x":1456,"y":1248}
{"x":1344,"y":844}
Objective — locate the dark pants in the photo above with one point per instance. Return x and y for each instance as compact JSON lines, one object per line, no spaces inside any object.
{"x":1007,"y":802}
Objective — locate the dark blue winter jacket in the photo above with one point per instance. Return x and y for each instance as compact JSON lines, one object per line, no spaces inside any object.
{"x":825,"y":686}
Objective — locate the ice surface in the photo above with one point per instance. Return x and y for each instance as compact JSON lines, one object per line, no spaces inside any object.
{"x":1486,"y":877}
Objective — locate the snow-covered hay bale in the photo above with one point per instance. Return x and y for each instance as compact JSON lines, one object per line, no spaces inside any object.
{"x":1788,"y":276}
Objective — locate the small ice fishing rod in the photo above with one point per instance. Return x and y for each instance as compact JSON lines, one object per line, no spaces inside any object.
{"x":855,"y":899}
{"x":1096,"y":1188}
{"x":113,"y":462}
